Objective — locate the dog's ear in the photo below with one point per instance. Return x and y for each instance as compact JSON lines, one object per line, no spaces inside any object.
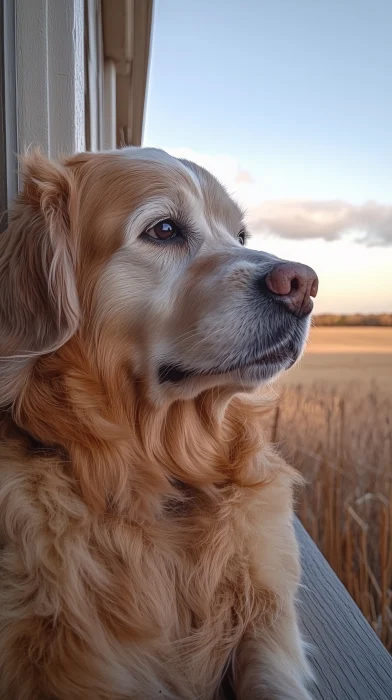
{"x":39,"y":309}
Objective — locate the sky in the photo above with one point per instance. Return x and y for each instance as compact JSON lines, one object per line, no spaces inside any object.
{"x":289,"y":104}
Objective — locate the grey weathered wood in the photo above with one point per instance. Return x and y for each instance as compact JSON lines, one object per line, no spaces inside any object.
{"x":3,"y":161}
{"x":349,"y":661}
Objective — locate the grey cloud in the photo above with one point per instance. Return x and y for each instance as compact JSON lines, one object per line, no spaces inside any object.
{"x":330,"y":219}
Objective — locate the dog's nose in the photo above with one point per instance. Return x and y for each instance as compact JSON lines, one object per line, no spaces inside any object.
{"x":293,"y":284}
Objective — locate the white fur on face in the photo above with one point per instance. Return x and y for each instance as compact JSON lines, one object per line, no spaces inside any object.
{"x":195,"y":304}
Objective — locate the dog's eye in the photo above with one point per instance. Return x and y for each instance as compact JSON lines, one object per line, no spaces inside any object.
{"x":242,"y":237}
{"x":164,"y":230}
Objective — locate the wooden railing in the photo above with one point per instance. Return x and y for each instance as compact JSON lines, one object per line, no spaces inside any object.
{"x":349,"y":660}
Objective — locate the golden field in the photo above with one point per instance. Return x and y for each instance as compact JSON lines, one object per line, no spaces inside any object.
{"x":343,"y":355}
{"x":334,"y":422}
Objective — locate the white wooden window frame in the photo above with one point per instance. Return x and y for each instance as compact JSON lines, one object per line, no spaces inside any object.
{"x":73,"y":77}
{"x":43,"y":101}
{"x":50,"y":75}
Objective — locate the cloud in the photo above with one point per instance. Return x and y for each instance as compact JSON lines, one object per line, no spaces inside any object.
{"x":329,"y":219}
{"x":371,"y":222}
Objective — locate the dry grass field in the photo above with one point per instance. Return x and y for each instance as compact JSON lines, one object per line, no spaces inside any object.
{"x":346,"y":355}
{"x":334,"y":422}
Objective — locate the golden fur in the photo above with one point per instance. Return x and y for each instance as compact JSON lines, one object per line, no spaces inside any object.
{"x":146,"y":538}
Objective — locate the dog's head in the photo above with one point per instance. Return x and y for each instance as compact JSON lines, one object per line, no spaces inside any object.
{"x":143,"y":256}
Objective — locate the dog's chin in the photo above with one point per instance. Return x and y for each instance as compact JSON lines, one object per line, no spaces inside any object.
{"x":246,"y":374}
{"x":261,"y":372}
{"x":241,"y":379}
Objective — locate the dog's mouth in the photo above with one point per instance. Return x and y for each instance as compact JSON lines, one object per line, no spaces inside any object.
{"x":271,"y":362}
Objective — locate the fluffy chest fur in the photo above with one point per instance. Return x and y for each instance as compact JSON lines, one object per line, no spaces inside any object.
{"x":107,"y":607}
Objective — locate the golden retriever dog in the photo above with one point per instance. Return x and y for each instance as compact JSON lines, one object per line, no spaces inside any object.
{"x":146,"y":528}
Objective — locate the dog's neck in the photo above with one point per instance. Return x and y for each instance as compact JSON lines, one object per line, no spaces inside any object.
{"x":123,"y":449}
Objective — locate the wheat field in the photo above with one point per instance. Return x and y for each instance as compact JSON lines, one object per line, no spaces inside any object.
{"x":334,"y":422}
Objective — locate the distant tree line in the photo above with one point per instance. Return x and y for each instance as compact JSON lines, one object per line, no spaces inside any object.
{"x":353,"y":320}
